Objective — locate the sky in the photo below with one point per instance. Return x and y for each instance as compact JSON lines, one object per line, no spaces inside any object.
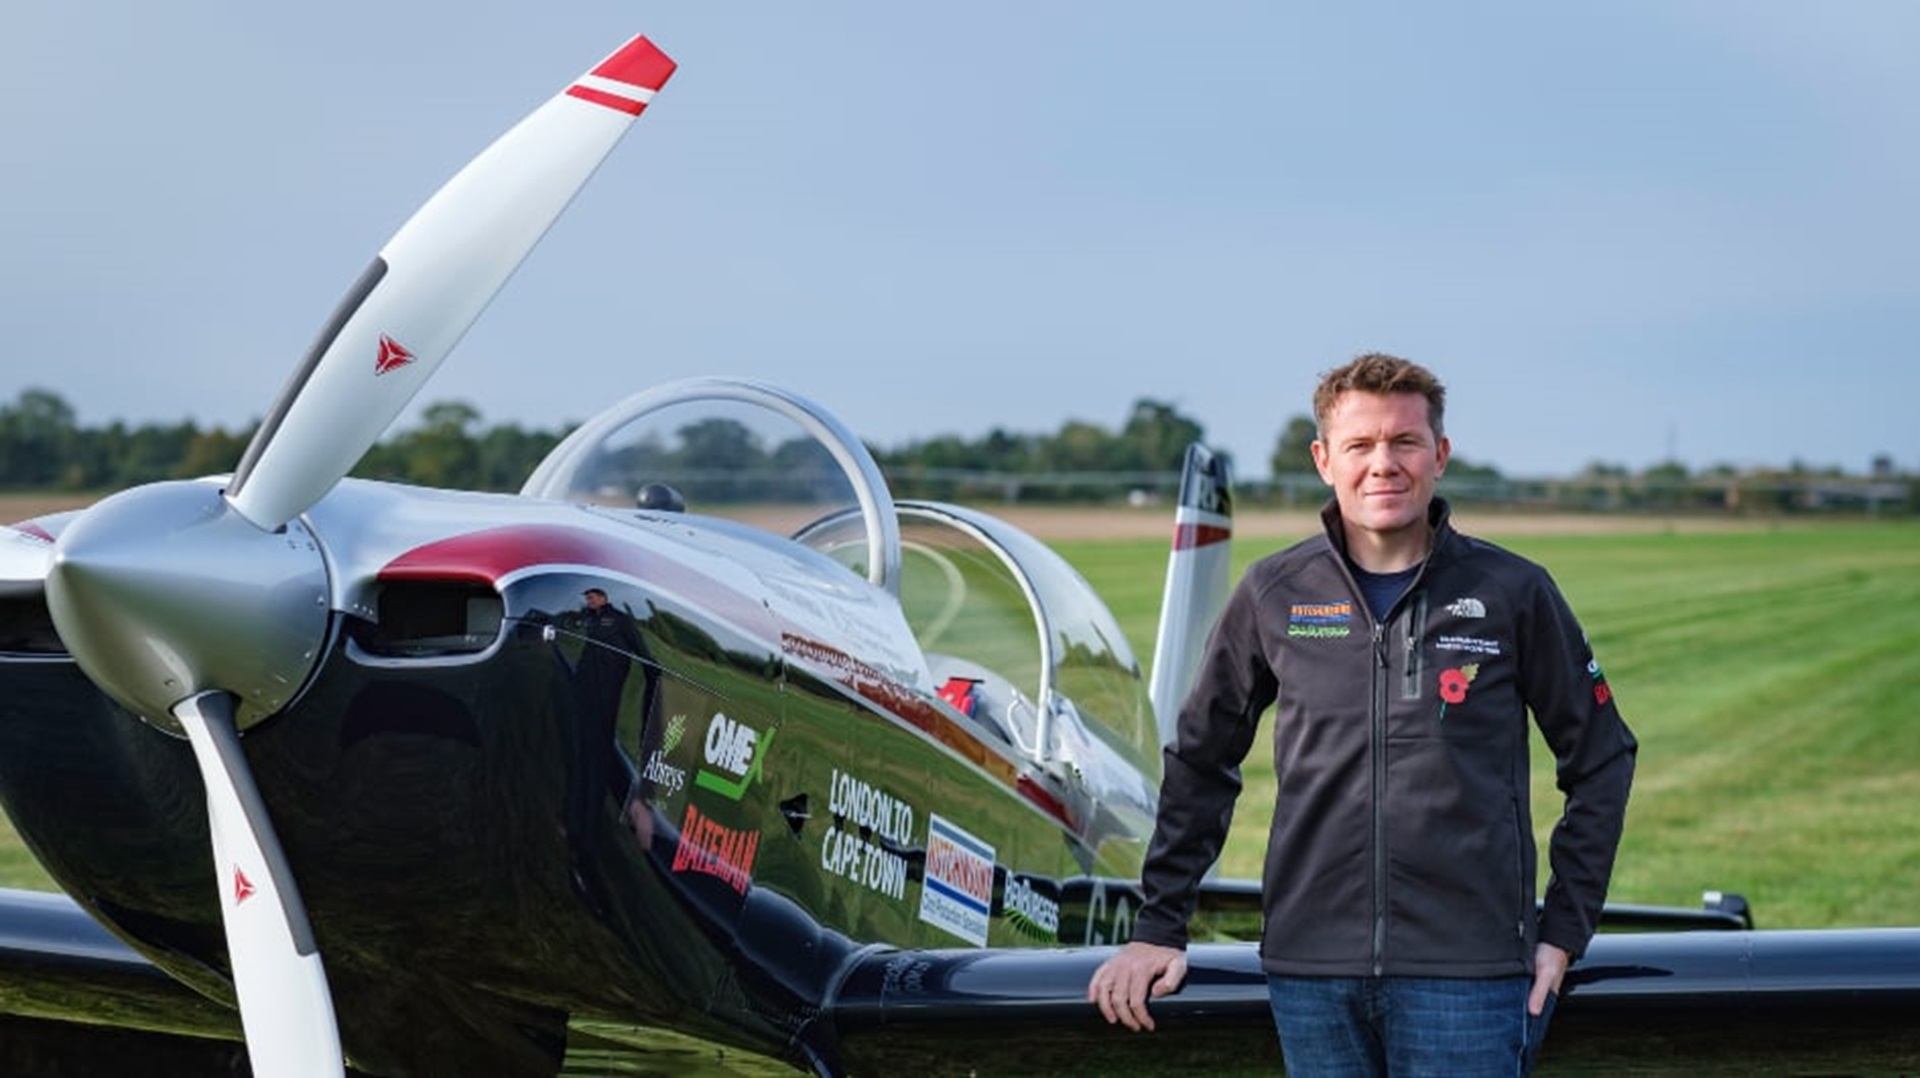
{"x":1629,"y":232}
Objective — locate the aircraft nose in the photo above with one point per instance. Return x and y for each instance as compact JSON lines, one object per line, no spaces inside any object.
{"x":163,"y":592}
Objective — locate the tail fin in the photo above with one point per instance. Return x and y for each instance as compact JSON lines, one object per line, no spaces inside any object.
{"x":1196,"y":580}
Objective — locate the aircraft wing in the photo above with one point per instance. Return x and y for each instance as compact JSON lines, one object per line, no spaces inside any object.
{"x":1832,"y":1001}
{"x":76,"y":1000}
{"x":1025,"y":1011}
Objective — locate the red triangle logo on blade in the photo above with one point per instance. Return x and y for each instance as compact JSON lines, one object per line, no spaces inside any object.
{"x":242,"y":886}
{"x":393,"y":356}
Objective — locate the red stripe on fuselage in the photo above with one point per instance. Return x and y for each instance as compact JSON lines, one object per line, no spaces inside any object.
{"x":488,"y":556}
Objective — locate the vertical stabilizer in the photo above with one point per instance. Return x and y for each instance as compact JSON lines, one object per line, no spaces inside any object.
{"x":1196,"y":580}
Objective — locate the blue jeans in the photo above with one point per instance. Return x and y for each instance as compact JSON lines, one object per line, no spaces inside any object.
{"x":1406,"y":1026}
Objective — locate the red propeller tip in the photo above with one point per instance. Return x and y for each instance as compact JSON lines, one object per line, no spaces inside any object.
{"x":639,"y":63}
{"x":628,"y":79}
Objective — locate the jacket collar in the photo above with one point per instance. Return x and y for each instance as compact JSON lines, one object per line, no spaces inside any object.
{"x":1439,"y":517}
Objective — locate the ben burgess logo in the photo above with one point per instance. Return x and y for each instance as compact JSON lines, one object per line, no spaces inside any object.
{"x":1320,"y":619}
{"x":1032,"y":907}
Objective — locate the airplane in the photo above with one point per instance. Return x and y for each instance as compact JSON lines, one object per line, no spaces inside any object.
{"x":702,"y":730}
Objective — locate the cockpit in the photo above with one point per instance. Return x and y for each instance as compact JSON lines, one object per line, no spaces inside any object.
{"x":1011,"y":634}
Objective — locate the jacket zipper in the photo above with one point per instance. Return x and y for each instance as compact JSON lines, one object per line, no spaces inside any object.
{"x":1378,"y":737}
{"x":1380,"y":690}
{"x":1523,"y":886}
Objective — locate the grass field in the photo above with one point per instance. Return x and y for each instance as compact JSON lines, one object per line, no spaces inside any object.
{"x":1772,"y":675}
{"x":1771,"y":672}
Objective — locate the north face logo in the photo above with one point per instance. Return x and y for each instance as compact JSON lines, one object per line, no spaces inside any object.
{"x":1467,"y":608}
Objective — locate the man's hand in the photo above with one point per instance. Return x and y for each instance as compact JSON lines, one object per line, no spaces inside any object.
{"x":1549,"y":969}
{"x":1138,"y":971}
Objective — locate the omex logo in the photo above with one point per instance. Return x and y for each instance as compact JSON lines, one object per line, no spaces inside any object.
{"x":735,"y":749}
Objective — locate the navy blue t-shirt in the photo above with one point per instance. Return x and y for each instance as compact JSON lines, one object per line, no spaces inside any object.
{"x":1382,"y":590}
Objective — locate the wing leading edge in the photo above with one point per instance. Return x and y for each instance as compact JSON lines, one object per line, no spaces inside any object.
{"x":1833,"y":1000}
{"x":74,"y":999}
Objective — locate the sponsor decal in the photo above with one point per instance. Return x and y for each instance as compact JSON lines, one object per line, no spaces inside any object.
{"x":712,"y":849}
{"x":1467,"y":608}
{"x":863,"y":855}
{"x":846,"y":854}
{"x":1032,"y":907}
{"x":1320,"y":619}
{"x":242,"y":886}
{"x":1602,"y":692}
{"x":1477,"y":645}
{"x":869,"y":808}
{"x":1453,"y":686}
{"x":676,"y":727}
{"x":958,"y":894}
{"x":733,"y":748}
{"x":665,"y":777}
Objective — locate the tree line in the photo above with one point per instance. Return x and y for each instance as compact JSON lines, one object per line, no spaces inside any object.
{"x":43,"y":448}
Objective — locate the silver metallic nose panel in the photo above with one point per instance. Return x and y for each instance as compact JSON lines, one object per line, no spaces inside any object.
{"x":164,"y":592}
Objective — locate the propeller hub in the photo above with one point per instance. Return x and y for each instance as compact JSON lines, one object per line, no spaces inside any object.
{"x":164,"y":592}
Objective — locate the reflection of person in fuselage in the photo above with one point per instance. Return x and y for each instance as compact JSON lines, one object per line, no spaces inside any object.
{"x":612,"y":646}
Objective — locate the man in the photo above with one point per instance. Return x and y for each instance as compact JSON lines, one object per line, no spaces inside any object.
{"x":1401,"y":934}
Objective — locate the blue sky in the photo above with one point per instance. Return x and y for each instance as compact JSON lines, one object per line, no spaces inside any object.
{"x":1620,"y":232}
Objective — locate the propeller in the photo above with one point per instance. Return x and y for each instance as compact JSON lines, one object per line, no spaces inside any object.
{"x":430,"y":282}
{"x":204,"y":610}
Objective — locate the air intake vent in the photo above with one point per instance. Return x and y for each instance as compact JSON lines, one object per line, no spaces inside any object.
{"x":27,"y":629}
{"x":423,"y":619}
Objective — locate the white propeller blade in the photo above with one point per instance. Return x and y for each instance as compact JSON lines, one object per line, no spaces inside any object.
{"x":430,"y":283}
{"x":24,"y":560}
{"x":285,"y":1007}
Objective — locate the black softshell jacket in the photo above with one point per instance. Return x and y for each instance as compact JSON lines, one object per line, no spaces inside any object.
{"x":1402,"y":841}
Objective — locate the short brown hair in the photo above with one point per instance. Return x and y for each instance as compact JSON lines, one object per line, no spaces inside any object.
{"x":1378,"y":372}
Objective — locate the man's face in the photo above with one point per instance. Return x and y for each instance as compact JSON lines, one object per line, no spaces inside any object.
{"x":1379,"y":455}
{"x":596,"y":600}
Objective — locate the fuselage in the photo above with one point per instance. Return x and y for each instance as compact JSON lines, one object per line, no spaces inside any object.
{"x":507,"y":811}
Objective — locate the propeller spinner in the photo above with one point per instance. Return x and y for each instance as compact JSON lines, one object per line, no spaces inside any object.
{"x":204,"y":610}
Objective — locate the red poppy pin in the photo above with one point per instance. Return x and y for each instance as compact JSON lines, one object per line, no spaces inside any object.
{"x":1453,"y":686}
